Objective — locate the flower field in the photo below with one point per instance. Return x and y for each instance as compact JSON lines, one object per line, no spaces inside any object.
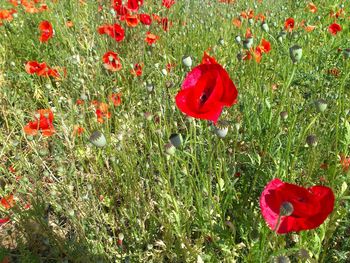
{"x":174,"y":131}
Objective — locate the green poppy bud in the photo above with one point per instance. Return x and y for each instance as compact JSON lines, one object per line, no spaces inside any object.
{"x":311,"y":140}
{"x":221,"y":129}
{"x":98,"y":139}
{"x":346,"y":53}
{"x":248,"y":43}
{"x":295,"y":53}
{"x":265,"y":27}
{"x":238,"y":39}
{"x":187,"y":61}
{"x":176,"y":140}
{"x":321,"y":105}
{"x":170,"y":149}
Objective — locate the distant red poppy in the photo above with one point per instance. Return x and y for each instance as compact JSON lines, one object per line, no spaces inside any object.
{"x":137,"y":71}
{"x":168,"y":3}
{"x":115,"y":31}
{"x":265,"y":46}
{"x":289,"y":207}
{"x":312,"y":7}
{"x":115,"y":98}
{"x":248,"y":33}
{"x":145,"y":19}
{"x":102,"y":112}
{"x":237,"y":22}
{"x":6,"y":14}
{"x":46,"y":31}
{"x":165,"y":23}
{"x":345,"y":162}
{"x":7,"y":201}
{"x":334,"y":28}
{"x":43,"y":123}
{"x":131,"y":20}
{"x":121,"y":10}
{"x":289,"y":24}
{"x":41,"y":69}
{"x":151,"y":38}
{"x":134,"y":5}
{"x":206,"y":90}
{"x":111,"y":61}
{"x":78,"y":130}
{"x":4,"y":220}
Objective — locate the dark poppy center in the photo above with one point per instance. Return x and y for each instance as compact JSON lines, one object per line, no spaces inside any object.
{"x":205,"y":95}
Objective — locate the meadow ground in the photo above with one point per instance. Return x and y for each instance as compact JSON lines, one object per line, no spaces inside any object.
{"x":112,"y":151}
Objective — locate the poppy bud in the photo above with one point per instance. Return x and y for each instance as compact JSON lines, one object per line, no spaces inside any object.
{"x":238,"y":39}
{"x":170,"y":149}
{"x":176,"y":139}
{"x":311,"y":140}
{"x":98,"y":139}
{"x":164,"y":72}
{"x":303,"y":254}
{"x":187,"y":61}
{"x":250,"y":21}
{"x":248,"y":43}
{"x":282,"y":259}
{"x":83,"y":96}
{"x":283,"y":34}
{"x":295,"y":53}
{"x":321,"y":105}
{"x":280,"y":39}
{"x":286,"y":209}
{"x":150,"y":87}
{"x":221,"y":129}
{"x":148,"y":116}
{"x":346,"y":53}
{"x":284,"y":115}
{"x":221,"y":41}
{"x":265,"y":27}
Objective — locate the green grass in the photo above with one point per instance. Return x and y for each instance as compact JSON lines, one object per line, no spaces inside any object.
{"x":189,"y":205}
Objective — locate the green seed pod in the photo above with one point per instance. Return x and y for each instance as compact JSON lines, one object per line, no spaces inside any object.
{"x":98,"y":139}
{"x":295,"y":53}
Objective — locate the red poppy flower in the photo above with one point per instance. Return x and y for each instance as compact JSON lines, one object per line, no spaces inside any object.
{"x":345,"y":162}
{"x":115,"y":98}
{"x":131,"y":20}
{"x":111,"y":61}
{"x":46,"y":31}
{"x":137,"y":71}
{"x":288,"y":207}
{"x":7,"y":201}
{"x":237,"y":22}
{"x":121,"y":10}
{"x":289,"y":24}
{"x":312,"y":7}
{"x":6,"y":15}
{"x":165,"y":23}
{"x":334,"y":28}
{"x":78,"y":130}
{"x":115,"y":31}
{"x":145,"y":19}
{"x":206,"y":90}
{"x":134,"y":5}
{"x":43,"y":122}
{"x":4,"y":220}
{"x":33,"y":67}
{"x":168,"y":3}
{"x":102,"y":112}
{"x":151,"y":38}
{"x":265,"y":46}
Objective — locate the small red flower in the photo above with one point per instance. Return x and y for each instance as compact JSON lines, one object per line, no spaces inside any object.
{"x":33,"y":67}
{"x":165,"y":23}
{"x":312,"y":7}
{"x":145,"y":19}
{"x":111,"y":61}
{"x":265,"y":46}
{"x":151,"y":38}
{"x":134,"y":5}
{"x":115,"y":31}
{"x":345,"y":162}
{"x":78,"y":130}
{"x":115,"y":98}
{"x":137,"y":71}
{"x":46,"y":30}
{"x":43,"y":122}
{"x":206,"y":90}
{"x":7,"y":201}
{"x":102,"y":112}
{"x":288,"y":207}
{"x":131,"y":20}
{"x":334,"y":28}
{"x":168,"y":3}
{"x":289,"y":24}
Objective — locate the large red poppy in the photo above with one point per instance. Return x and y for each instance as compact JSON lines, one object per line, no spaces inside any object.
{"x":289,"y":24}
{"x":168,"y":3}
{"x":115,"y":31}
{"x":151,"y":38}
{"x":43,"y":122}
{"x":334,"y":28}
{"x":145,"y":19}
{"x":46,"y":30}
{"x":307,"y":208}
{"x":111,"y":61}
{"x":206,"y":90}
